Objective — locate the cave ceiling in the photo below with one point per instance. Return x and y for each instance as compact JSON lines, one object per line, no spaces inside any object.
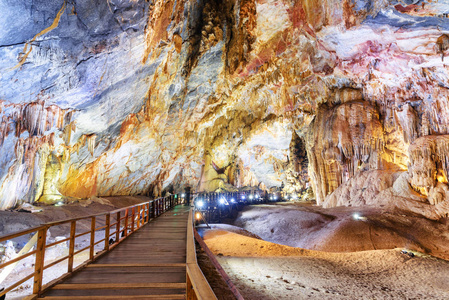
{"x":127,"y":97}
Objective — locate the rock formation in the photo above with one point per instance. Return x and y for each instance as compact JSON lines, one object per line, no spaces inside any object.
{"x":125,"y":97}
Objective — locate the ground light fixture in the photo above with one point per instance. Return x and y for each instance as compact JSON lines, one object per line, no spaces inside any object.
{"x":232,"y":200}
{"x":243,"y":197}
{"x":183,"y":195}
{"x":251,"y":197}
{"x":199,"y":204}
{"x":223,"y":201}
{"x":357,"y":216}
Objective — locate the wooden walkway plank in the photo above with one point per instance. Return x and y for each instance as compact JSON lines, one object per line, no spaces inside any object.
{"x":134,"y":265}
{"x":124,"y":286}
{"x":130,"y":297}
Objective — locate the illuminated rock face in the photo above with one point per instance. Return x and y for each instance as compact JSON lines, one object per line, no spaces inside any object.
{"x":136,"y":97}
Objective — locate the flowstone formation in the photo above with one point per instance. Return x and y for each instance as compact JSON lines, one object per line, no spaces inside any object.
{"x":125,"y":97}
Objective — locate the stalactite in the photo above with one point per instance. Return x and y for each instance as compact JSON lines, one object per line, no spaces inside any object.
{"x":428,"y":157}
{"x":91,"y":143}
{"x":342,"y":139}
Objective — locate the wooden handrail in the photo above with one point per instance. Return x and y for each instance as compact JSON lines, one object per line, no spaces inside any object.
{"x":197,"y":285}
{"x":19,"y":233}
{"x":141,"y":211}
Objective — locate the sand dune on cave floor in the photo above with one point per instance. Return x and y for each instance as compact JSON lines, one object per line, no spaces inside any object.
{"x":312,"y":227}
{"x":265,"y":270}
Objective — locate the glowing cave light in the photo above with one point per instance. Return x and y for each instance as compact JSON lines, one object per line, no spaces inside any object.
{"x":275,"y":197}
{"x":356,"y":216}
{"x":183,"y":195}
{"x":243,"y":197}
{"x":60,"y":203}
{"x":233,"y":200}
{"x":250,"y":196}
{"x":200,"y":204}
{"x":294,"y":197}
{"x":197,"y":216}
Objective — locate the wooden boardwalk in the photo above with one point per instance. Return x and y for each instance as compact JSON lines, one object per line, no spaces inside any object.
{"x":149,"y":264}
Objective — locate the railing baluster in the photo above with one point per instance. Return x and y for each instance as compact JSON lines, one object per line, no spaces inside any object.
{"x":92,"y":238}
{"x":126,"y":224}
{"x":138,"y":217}
{"x":71,"y":246}
{"x":133,"y":215}
{"x":141,"y":211}
{"x":148,"y":212}
{"x":106,"y":232}
{"x":40,"y":260}
{"x":153,"y":209}
{"x":117,"y":228}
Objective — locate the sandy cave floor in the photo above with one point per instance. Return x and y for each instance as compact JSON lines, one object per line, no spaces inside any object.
{"x":265,"y":270}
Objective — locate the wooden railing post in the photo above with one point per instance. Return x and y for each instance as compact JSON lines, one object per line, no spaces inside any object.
{"x":141,"y":216}
{"x":92,"y":238}
{"x":133,"y":215}
{"x":190,"y":293}
{"x":71,"y":246}
{"x":161,"y":206}
{"x":40,"y":258}
{"x":117,"y":228}
{"x":148,"y":212}
{"x":107,"y":231}
{"x":138,"y":217}
{"x":126,"y":224}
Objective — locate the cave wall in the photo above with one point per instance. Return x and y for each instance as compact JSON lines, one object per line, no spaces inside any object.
{"x":125,"y":97}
